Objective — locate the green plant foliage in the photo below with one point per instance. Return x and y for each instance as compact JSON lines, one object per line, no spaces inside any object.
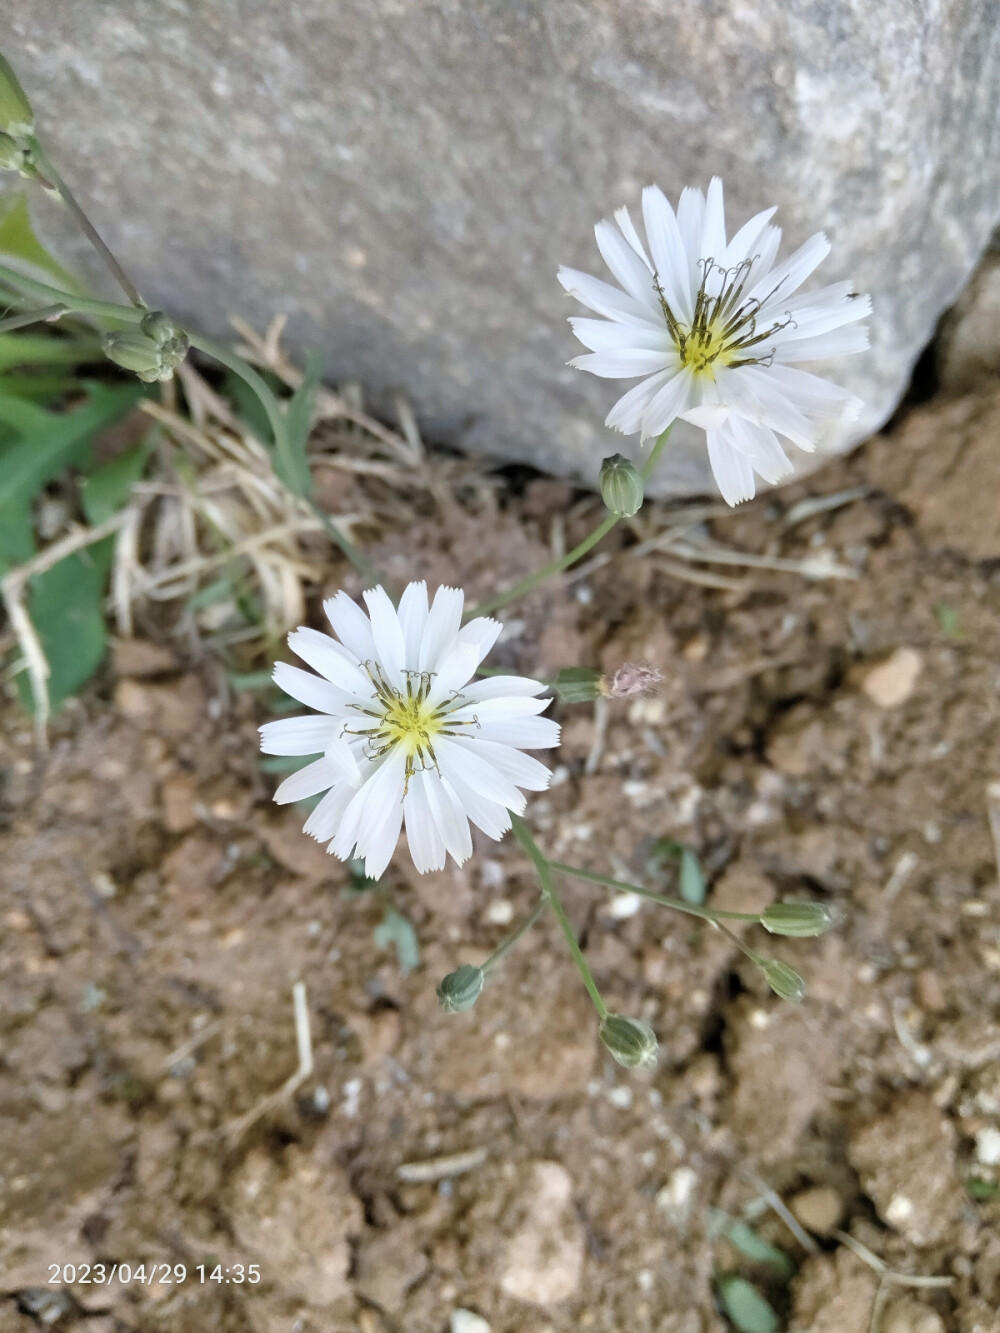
{"x":299,"y":413}
{"x":109,"y":486}
{"x":18,"y":241}
{"x":394,"y":929}
{"x":691,"y":882}
{"x":743,"y":1238}
{"x":66,"y":606}
{"x":745,"y":1306}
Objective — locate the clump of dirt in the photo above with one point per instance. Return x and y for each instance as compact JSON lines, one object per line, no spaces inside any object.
{"x":813,"y":737}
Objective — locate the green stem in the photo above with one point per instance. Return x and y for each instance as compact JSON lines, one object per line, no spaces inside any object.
{"x":45,"y":315}
{"x":51,"y":178}
{"x":706,"y":913}
{"x":531,"y":581}
{"x":549,"y":895}
{"x":511,"y":940}
{"x":77,"y":305}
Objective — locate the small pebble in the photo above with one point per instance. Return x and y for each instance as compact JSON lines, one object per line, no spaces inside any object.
{"x":818,"y":1209}
{"x":892,"y":682}
{"x":464,"y":1321}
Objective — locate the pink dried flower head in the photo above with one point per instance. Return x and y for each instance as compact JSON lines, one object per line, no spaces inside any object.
{"x":633,"y":678}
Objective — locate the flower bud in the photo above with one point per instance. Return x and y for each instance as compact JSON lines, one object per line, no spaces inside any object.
{"x":149,"y":360}
{"x":159,"y":327}
{"x":631,"y":1042}
{"x":633,"y":678}
{"x":580,"y":685}
{"x":461,"y":989}
{"x":16,"y":115}
{"x":797,"y":919}
{"x":621,"y":486}
{"x":784,"y":980}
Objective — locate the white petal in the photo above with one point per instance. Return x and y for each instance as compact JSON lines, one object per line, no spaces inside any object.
{"x":330,"y":659}
{"x":459,"y":760}
{"x":626,"y":265}
{"x":382,"y":842}
{"x":627,"y":228}
{"x":341,"y":756}
{"x":310,"y":690}
{"x":811,"y":394}
{"x":623,"y":364}
{"x":350,"y":624}
{"x":669,"y":255}
{"x":742,"y":245}
{"x":707,"y":416}
{"x":668,"y":404}
{"x":756,"y":397}
{"x":322,"y":824}
{"x":426,"y":844}
{"x":627,"y":413}
{"x":713,"y":233}
{"x":482,"y":633}
{"x":308,"y":781}
{"x":454,"y":670}
{"x":733,"y":473}
{"x":608,"y":300}
{"x":447,"y":813}
{"x":840,"y":342}
{"x":413,"y":617}
{"x":526,"y":733}
{"x":760,"y":446}
{"x":790,"y":275}
{"x":521,"y":769}
{"x":298,"y":735}
{"x":493,"y":819}
{"x":442,"y":626}
{"x":383,"y":792}
{"x":767,"y":252}
{"x":500,"y":709}
{"x":602,"y":335}
{"x":388,"y":635}
{"x":690,"y":219}
{"x":496,"y":687}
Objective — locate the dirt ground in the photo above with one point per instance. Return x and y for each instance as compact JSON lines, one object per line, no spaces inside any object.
{"x":831,"y":738}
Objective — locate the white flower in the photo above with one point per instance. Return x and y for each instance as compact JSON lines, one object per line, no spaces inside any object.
{"x":401,"y":732}
{"x":715,"y":331}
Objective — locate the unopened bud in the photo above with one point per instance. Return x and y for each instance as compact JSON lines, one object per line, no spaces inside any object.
{"x":16,"y":115}
{"x":580,"y":685}
{"x":461,"y":989}
{"x":631,"y":1042}
{"x":784,"y":980}
{"x":633,"y":678}
{"x":621,"y":486}
{"x":159,"y":327}
{"x":149,"y":360}
{"x":798,"y":919}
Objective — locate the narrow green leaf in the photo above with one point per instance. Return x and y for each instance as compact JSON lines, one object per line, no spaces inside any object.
{"x":745,"y":1306}
{"x":17,"y":535}
{"x":294,"y":471}
{"x":108,"y":487}
{"x":45,"y":349}
{"x":53,"y":440}
{"x":37,"y":388}
{"x":18,"y":241}
{"x":743,"y":1238}
{"x":394,"y":929}
{"x":249,"y":405}
{"x":66,"y":608}
{"x":250,"y":680}
{"x":692,"y":882}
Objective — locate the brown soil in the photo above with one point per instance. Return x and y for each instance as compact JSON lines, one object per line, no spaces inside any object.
{"x":829,"y":738}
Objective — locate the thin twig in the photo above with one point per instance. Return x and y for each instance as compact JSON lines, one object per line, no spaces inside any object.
{"x":303,"y":1039}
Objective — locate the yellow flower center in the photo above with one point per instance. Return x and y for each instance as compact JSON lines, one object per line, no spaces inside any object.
{"x":724,"y":327}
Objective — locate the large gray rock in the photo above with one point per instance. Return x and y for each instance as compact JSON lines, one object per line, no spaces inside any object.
{"x":405,"y":176}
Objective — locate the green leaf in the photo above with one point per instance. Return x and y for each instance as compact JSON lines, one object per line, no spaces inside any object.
{"x":45,"y":349}
{"x":692,"y":882}
{"x":745,"y":1306}
{"x":18,"y":241}
{"x":396,"y":930}
{"x":17,"y":536}
{"x":982,"y":1189}
{"x":51,"y":441}
{"x":109,"y":486}
{"x":249,"y":405}
{"x":753,"y":1247}
{"x":66,"y":607}
{"x":294,"y":470}
{"x":251,"y":680}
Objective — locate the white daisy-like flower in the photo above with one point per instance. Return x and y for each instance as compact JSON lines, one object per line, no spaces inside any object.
{"x":403,"y":731}
{"x":716,"y":332}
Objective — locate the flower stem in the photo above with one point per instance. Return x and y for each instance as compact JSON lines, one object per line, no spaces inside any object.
{"x":49,"y":177}
{"x":45,"y":315}
{"x":705,"y":913}
{"x":75,"y":304}
{"x":531,"y":581}
{"x":549,"y":895}
{"x":512,"y":939}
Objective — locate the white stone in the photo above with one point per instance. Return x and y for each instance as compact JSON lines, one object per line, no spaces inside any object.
{"x":465,"y":1321}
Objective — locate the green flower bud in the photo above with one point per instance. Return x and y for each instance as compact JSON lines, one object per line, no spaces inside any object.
{"x":621,"y":486}
{"x":580,"y":685}
{"x":797,"y":919}
{"x":159,"y":327}
{"x":461,"y":989}
{"x":632,"y":1042}
{"x":150,"y":361}
{"x":784,"y":980}
{"x":16,"y":115}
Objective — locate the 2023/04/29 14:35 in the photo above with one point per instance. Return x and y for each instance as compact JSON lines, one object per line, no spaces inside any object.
{"x":148,"y":1275}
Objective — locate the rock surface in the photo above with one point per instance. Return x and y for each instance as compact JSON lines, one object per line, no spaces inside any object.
{"x":405,"y":180}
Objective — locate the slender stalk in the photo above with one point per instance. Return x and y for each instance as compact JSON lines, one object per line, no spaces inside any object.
{"x":512,"y":939}
{"x":75,"y":304}
{"x":531,"y":581}
{"x":705,"y":913}
{"x":51,"y":178}
{"x":46,"y":315}
{"x":549,"y":895}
